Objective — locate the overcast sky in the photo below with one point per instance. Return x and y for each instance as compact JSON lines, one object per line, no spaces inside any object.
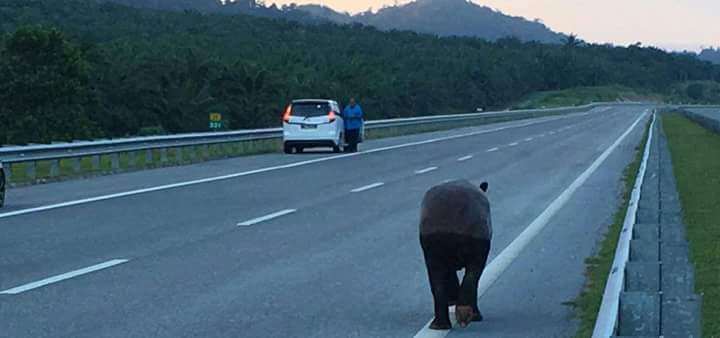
{"x":674,"y":24}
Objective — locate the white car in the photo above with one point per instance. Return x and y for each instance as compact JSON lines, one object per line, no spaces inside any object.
{"x":313,"y":123}
{"x":2,"y":185}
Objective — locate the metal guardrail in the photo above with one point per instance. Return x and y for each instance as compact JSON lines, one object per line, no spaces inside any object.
{"x":31,"y":155}
{"x":650,"y":288}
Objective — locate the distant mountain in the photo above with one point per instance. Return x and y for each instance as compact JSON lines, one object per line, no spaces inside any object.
{"x":439,"y":17}
{"x":446,"y":18}
{"x":710,"y":54}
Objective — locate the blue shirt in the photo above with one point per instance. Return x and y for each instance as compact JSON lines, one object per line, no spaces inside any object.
{"x":353,"y":116}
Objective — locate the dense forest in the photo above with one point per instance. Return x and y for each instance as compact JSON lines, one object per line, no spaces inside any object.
{"x":78,"y":69}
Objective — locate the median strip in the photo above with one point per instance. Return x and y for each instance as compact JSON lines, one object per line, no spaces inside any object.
{"x":62,"y":277}
{"x":267,"y":217}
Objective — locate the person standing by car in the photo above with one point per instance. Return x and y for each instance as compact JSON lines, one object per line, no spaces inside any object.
{"x":353,"y":116}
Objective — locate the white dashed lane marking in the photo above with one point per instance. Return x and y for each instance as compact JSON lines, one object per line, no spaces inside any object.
{"x":368,"y":187}
{"x":426,"y":170}
{"x":62,"y":277}
{"x":266,"y":217}
{"x":465,"y":158}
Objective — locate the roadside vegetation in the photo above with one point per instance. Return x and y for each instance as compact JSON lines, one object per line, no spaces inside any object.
{"x":587,"y":304}
{"x":79,"y":69}
{"x":585,"y":95}
{"x":696,"y":165}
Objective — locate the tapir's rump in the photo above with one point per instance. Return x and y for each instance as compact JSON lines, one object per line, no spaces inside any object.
{"x":458,"y":208}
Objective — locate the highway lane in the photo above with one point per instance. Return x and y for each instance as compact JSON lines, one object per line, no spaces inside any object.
{"x":325,"y":270}
{"x":40,"y":195}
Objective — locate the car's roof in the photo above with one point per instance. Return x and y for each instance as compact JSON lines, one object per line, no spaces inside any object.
{"x":312,"y":100}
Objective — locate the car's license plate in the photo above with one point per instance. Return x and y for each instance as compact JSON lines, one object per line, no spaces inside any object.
{"x":309,"y":126}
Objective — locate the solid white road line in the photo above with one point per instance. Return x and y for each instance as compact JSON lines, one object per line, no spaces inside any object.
{"x":368,"y":187}
{"x":268,"y":169}
{"x":59,"y":278}
{"x":493,"y":149}
{"x":266,"y":217}
{"x":465,"y":158}
{"x":513,"y":144}
{"x":426,"y":170}
{"x":512,"y":251}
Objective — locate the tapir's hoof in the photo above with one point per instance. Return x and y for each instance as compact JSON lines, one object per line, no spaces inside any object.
{"x":435,"y":325}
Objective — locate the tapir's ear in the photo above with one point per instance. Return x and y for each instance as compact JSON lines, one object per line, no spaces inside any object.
{"x":484,"y":186}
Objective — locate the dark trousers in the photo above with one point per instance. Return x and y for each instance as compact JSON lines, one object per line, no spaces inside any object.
{"x":352,"y":137}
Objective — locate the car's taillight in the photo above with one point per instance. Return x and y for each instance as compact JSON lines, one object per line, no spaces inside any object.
{"x":331,"y":116}
{"x":286,"y":115}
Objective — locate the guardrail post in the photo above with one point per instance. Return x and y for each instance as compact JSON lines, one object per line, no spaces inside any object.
{"x":8,"y":173}
{"x":54,"y":168}
{"x":178,"y":155}
{"x":193,"y":154}
{"x":163,"y":156}
{"x":95,"y":162}
{"x":115,"y":162}
{"x":227,"y":149}
{"x":205,"y":152}
{"x":31,"y":171}
{"x":148,"y":157}
{"x":76,"y":165}
{"x":132,"y":161}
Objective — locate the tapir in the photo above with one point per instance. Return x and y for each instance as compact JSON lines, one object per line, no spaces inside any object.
{"x":455,"y":233}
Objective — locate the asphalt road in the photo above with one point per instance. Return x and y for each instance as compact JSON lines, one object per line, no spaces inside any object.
{"x":178,"y":257}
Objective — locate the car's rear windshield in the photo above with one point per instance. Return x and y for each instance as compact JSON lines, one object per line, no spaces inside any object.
{"x":310,"y":109}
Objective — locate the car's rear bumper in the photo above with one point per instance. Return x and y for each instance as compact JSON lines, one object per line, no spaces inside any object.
{"x":310,"y":143}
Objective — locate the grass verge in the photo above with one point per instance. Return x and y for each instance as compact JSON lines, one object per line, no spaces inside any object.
{"x":585,"y":95}
{"x":696,"y":165}
{"x":587,"y":304}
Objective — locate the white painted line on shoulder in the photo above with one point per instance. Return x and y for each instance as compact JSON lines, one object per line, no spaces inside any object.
{"x":62,"y":277}
{"x":267,"y":217}
{"x":502,"y":261}
{"x":493,"y":149}
{"x":368,"y":187}
{"x":465,"y":158}
{"x":426,"y":170}
{"x":269,"y":169}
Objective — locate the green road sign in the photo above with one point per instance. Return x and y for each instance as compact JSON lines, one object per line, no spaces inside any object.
{"x":215,"y":121}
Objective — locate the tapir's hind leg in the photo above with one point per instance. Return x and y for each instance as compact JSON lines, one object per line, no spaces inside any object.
{"x":438,"y":274}
{"x":478,"y":253}
{"x":453,"y":286}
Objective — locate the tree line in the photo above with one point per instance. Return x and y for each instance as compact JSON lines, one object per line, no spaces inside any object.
{"x":78,"y":69}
